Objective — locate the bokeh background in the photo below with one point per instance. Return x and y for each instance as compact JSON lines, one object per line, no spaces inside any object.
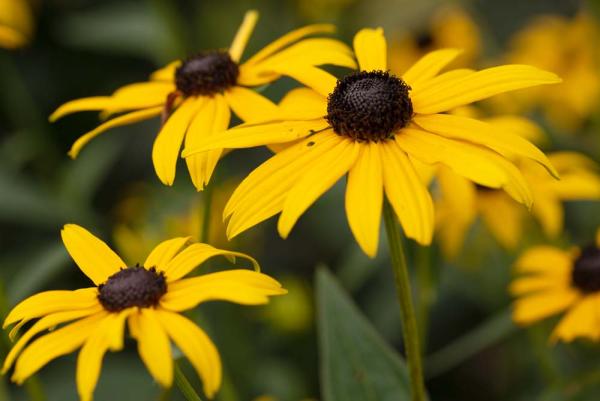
{"x":78,"y":48}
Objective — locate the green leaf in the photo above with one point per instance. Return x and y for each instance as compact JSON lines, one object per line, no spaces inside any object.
{"x":356,"y":363}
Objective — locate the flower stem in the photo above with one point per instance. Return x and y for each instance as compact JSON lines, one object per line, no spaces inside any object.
{"x":184,"y":385}
{"x":206,"y":209}
{"x":403,"y":290}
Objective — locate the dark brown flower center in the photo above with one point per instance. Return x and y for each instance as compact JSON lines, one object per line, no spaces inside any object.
{"x":206,"y":74}
{"x":369,"y":106}
{"x":132,"y":286}
{"x":586,"y":270}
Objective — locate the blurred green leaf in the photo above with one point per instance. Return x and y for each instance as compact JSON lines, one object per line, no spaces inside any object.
{"x":356,"y":363}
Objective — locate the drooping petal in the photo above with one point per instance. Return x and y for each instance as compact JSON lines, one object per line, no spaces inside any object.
{"x":196,"y":346}
{"x":194,"y":255}
{"x":429,"y":66}
{"x":167,"y":145}
{"x":317,"y":178}
{"x":364,"y":198}
{"x":477,"y":86}
{"x":57,"y":343}
{"x":243,"y":35}
{"x":370,"y":48}
{"x":250,"y":105}
{"x":95,"y":259}
{"x":83,"y":104}
{"x":140,"y":95}
{"x":583,"y":320}
{"x":408,"y":196}
{"x":153,"y":346}
{"x":539,"y":306}
{"x":125,"y":119}
{"x":244,"y":287}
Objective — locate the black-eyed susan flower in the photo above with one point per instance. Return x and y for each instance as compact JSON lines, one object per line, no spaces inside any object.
{"x":16,"y":23}
{"x":196,"y":96}
{"x":552,"y":280}
{"x":148,"y":297}
{"x":372,"y":125}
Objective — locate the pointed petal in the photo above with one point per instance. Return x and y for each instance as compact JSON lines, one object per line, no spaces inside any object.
{"x":429,"y":66}
{"x":154,"y":347}
{"x":583,"y":320}
{"x":167,"y":73}
{"x":249,"y":105}
{"x":139,"y":96}
{"x":364,"y":198}
{"x":95,"y":259}
{"x":84,"y":104}
{"x":243,"y":35}
{"x":370,"y":48}
{"x":164,"y":252}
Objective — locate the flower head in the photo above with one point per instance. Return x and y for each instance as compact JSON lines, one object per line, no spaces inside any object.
{"x":148,"y":297}
{"x":552,"y":281}
{"x":373,"y":125}
{"x":196,"y":96}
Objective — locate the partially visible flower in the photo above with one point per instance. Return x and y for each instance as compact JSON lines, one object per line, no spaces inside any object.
{"x":568,"y":47}
{"x":370,"y":125}
{"x":149,"y":297}
{"x":196,"y":96}
{"x":450,"y":27}
{"x":552,"y":280}
{"x":16,"y":23}
{"x":294,"y":312}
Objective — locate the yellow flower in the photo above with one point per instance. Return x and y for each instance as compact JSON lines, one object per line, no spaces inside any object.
{"x":148,"y":297}
{"x":372,"y":124}
{"x":196,"y":96}
{"x":569,"y":48}
{"x":554,"y":280}
{"x":16,"y":23}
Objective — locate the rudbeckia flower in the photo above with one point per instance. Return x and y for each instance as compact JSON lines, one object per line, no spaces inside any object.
{"x":553,"y":280}
{"x":16,"y":23}
{"x":370,"y":125}
{"x":148,"y":297}
{"x":196,"y":96}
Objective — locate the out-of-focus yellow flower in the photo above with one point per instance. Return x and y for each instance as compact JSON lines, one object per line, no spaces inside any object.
{"x":460,"y":202}
{"x":148,"y":297}
{"x":16,"y":23}
{"x":294,"y":312}
{"x":450,"y":27}
{"x":568,"y":47}
{"x":552,"y":280}
{"x":196,"y":96}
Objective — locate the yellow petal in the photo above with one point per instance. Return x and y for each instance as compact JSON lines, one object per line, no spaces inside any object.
{"x":544,"y":260}
{"x":212,"y":118}
{"x":583,"y":320}
{"x":548,"y":211}
{"x":165,"y":151}
{"x":484,"y":134}
{"x":319,"y":80}
{"x":477,"y":86}
{"x":303,"y":103}
{"x":539,"y":306}
{"x":84,"y":104}
{"x":125,"y":119}
{"x":243,"y":35}
{"x":50,"y":346}
{"x":429,"y":66}
{"x":153,"y":346}
{"x":249,"y":105}
{"x":407,"y":194}
{"x":502,"y":217}
{"x":194,"y":255}
{"x":167,"y":73}
{"x":531,"y":284}
{"x":139,"y":96}
{"x":371,"y":49}
{"x":317,"y":178}
{"x":95,"y":259}
{"x":244,"y":287}
{"x":197,"y":347}
{"x":164,"y":252}
{"x":364,"y":198}
{"x":521,"y":126}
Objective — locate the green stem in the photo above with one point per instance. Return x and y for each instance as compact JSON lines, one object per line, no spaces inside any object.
{"x":425,"y":292}
{"x":207,"y":196}
{"x":184,"y":385}
{"x":409,"y":321}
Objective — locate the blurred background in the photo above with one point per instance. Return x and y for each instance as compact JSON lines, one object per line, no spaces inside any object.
{"x":75,"y":48}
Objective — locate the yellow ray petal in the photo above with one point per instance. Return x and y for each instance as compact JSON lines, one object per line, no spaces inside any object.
{"x":244,"y":287}
{"x":212,"y":118}
{"x":164,"y":252}
{"x":544,"y":260}
{"x":502,"y":217}
{"x":197,"y":347}
{"x":317,"y":178}
{"x":531,"y":284}
{"x":167,"y":144}
{"x":364,"y":198}
{"x":548,"y":211}
{"x":319,"y":80}
{"x":249,"y":105}
{"x":167,"y":73}
{"x":539,"y":306}
{"x":484,"y":134}
{"x":440,"y":81}
{"x":45,"y":323}
{"x":243,"y":35}
{"x":125,"y":119}
{"x":583,"y":320}
{"x":303,"y":103}
{"x":370,"y":48}
{"x":95,"y":259}
{"x":84,"y":104}
{"x":479,"y":85}
{"x":576,"y":185}
{"x":521,"y":126}
{"x":408,"y":196}
{"x":194,"y":255}
{"x":50,"y":346}
{"x":139,"y":96}
{"x":153,"y":346}
{"x":429,"y":66}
